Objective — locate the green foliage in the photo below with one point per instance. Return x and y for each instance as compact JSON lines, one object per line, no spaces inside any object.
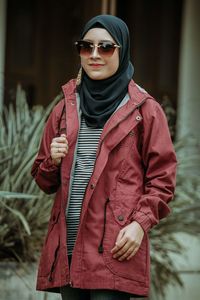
{"x":24,"y":209}
{"x":184,"y":218}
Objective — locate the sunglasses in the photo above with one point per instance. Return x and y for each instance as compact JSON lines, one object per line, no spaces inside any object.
{"x":105,"y":49}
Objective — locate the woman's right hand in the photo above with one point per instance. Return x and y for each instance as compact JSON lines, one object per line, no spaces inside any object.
{"x":59,"y":148}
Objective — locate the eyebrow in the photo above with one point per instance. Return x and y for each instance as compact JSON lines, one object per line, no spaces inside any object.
{"x":100,"y":41}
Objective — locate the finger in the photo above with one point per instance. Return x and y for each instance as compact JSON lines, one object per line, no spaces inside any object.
{"x":125,"y":251}
{"x":128,"y":250}
{"x":119,"y":242}
{"x":57,"y":155}
{"x":126,"y":254}
{"x":133,"y":253}
{"x":63,"y":145}
{"x":61,"y":150}
{"x":127,"y":243}
{"x":55,"y":146}
{"x":60,"y":139}
{"x":119,"y":246}
{"x":120,"y":252}
{"x":58,"y":152}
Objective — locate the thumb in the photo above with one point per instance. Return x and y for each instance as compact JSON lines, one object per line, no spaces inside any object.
{"x":63,"y":135}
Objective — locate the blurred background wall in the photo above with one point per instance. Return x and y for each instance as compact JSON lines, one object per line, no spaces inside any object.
{"x":39,"y":43}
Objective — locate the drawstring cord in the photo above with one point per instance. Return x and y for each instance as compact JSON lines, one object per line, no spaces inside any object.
{"x":100,"y":248}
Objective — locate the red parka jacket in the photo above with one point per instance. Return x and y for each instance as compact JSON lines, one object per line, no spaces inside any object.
{"x":133,"y":179}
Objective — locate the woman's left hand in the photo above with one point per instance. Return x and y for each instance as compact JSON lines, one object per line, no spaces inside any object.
{"x":128,"y":241}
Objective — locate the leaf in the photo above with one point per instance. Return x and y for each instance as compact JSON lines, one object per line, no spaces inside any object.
{"x":14,"y":195}
{"x":19,"y":215}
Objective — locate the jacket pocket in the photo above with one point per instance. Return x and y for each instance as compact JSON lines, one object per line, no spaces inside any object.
{"x":137,"y":268}
{"x":127,"y":141}
{"x":50,"y":249}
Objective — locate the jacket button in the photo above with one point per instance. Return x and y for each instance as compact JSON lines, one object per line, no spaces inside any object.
{"x":138,"y":118}
{"x":120,"y":218}
{"x":92,"y":186}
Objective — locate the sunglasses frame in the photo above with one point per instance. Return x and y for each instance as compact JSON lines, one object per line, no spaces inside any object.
{"x":91,"y":47}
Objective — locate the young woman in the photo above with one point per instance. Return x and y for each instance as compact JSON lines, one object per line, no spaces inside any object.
{"x":107,"y":153}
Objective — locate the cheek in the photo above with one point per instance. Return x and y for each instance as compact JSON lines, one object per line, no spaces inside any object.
{"x":113,"y":65}
{"x":83,"y":63}
{"x":113,"y":62}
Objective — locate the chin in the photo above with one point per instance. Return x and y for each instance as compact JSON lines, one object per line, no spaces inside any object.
{"x":97,"y":76}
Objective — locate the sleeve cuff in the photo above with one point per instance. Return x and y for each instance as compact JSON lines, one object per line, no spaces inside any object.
{"x":48,"y":166}
{"x":143,"y":219}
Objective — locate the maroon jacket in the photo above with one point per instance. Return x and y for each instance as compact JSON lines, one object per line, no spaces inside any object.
{"x":133,"y":179}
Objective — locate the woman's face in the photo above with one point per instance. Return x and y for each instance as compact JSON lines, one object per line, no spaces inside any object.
{"x":96,"y":66}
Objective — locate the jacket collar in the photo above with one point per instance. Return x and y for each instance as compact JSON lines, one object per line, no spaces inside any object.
{"x":137,"y":97}
{"x":69,"y":89}
{"x":137,"y":94}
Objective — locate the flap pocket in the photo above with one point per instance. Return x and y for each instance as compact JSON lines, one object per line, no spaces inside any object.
{"x":122,"y":210}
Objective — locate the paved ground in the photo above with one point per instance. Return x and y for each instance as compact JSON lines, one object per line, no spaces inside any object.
{"x":19,"y":283}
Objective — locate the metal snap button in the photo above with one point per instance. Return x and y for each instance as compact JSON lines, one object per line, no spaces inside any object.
{"x":138,"y":118}
{"x":92,"y":186}
{"x":120,"y":218}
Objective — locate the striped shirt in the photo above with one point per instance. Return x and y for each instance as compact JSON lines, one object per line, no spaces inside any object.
{"x":86,"y":154}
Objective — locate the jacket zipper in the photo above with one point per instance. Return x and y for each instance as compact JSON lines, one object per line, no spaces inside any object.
{"x":50,"y":277}
{"x":100,"y":248}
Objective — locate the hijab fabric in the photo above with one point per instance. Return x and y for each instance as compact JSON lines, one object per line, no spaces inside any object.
{"x":100,"y":98}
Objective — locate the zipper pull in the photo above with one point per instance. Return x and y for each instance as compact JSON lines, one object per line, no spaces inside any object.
{"x":100,"y":248}
{"x":71,"y":284}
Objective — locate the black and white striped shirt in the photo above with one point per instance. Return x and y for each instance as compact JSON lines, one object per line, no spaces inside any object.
{"x":86,"y":154}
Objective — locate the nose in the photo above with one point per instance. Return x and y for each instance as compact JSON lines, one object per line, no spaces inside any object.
{"x":95,"y":52}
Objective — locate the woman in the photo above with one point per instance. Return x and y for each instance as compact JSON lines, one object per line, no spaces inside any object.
{"x":107,"y":153}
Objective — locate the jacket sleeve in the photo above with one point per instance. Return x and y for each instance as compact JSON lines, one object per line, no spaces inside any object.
{"x":45,"y":173}
{"x":160,"y":162}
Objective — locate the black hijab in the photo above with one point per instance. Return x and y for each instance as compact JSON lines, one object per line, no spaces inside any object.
{"x":100,"y":98}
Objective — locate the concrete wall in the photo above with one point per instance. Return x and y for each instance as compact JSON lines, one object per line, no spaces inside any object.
{"x":189,"y":74}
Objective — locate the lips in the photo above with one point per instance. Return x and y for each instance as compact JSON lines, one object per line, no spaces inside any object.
{"x":95,"y":65}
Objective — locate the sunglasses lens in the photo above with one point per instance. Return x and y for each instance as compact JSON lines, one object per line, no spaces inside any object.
{"x":84,"y":48}
{"x":106,"y":49}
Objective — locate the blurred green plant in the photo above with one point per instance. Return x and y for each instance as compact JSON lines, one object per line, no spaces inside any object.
{"x":25,"y":209}
{"x":166,"y":246}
